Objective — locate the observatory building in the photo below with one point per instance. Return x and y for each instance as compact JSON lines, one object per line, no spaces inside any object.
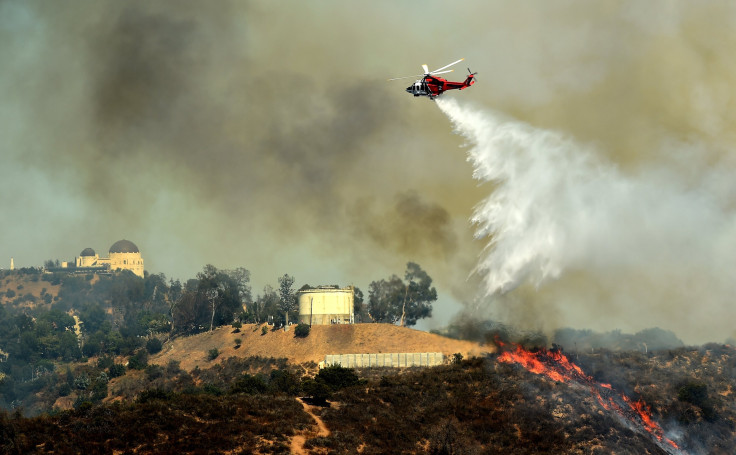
{"x":326,"y":305}
{"x":123,"y":255}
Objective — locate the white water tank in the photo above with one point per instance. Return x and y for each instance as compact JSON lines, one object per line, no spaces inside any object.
{"x":325,"y":305}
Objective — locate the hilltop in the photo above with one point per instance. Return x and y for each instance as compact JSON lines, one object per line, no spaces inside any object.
{"x":322,"y":340}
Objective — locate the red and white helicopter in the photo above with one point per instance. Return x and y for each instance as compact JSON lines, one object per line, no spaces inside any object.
{"x":432,"y":86}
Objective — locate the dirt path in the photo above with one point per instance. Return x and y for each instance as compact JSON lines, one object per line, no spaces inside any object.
{"x":297,"y":442}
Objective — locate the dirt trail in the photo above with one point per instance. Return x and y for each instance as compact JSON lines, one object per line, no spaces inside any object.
{"x":297,"y":442}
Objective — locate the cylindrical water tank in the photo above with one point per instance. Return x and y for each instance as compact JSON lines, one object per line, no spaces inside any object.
{"x":326,"y":305}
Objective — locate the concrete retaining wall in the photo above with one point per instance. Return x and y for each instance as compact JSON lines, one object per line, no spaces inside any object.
{"x":401,"y":360}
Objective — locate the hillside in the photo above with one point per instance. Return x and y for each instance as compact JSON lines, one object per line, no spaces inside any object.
{"x":26,"y":290}
{"x":322,"y":340}
{"x":484,"y":405}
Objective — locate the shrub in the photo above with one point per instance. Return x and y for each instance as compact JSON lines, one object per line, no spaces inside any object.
{"x":301,"y":330}
{"x":139,"y":360}
{"x":264,"y":330}
{"x":238,"y":342}
{"x":251,"y":385}
{"x":237,"y":324}
{"x":212,"y":389}
{"x":153,"y":394}
{"x":337,"y":377}
{"x":81,"y":382}
{"x":697,"y":393}
{"x":153,"y":345}
{"x":693,"y":392}
{"x":317,"y":390}
{"x":64,"y":390}
{"x":212,"y":354}
{"x":105,"y":362}
{"x":173,"y":367}
{"x":154,"y":372}
{"x":99,"y":388}
{"x":282,"y":381}
{"x":116,"y":370}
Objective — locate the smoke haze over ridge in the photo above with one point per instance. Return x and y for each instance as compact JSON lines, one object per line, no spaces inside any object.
{"x":264,"y":135}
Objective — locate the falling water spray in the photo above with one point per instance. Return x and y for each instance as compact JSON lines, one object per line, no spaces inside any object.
{"x":557,"y":205}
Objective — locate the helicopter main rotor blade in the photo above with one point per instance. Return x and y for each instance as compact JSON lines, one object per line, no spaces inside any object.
{"x":426,"y":69}
{"x":447,"y":66}
{"x":405,"y":77}
{"x":441,"y":72}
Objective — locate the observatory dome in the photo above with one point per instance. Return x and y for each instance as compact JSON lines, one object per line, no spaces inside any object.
{"x":124,"y":246}
{"x":87,"y":252}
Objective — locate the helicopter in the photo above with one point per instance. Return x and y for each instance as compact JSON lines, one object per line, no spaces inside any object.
{"x":432,"y":86}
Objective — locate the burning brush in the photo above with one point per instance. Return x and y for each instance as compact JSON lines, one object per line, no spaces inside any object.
{"x":555,"y":365}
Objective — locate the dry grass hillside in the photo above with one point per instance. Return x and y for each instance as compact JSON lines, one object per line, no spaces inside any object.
{"x":23,"y":285}
{"x":322,"y":340}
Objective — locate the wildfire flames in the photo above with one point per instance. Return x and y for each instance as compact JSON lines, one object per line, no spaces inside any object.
{"x":556,"y":366}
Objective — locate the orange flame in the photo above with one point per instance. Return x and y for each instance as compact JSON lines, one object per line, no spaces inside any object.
{"x":556,"y":366}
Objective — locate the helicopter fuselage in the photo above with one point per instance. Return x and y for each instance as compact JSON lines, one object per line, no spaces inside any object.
{"x":433,"y":86}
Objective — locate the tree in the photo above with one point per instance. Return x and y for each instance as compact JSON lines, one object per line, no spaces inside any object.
{"x":213,"y":287}
{"x":406,"y":301}
{"x":357,"y":301}
{"x":175,"y":293}
{"x":287,"y":296}
{"x":384,"y":299}
{"x":224,"y":291}
{"x":211,"y":300}
{"x":265,"y":305}
{"x":190,"y":313}
{"x":241,"y":277}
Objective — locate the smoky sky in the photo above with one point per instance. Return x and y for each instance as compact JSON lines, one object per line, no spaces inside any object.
{"x":264,"y":134}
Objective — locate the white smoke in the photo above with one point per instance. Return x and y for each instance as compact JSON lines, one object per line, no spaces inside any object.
{"x":662,"y":246}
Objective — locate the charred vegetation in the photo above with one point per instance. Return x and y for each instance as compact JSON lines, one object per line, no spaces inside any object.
{"x":480,"y":405}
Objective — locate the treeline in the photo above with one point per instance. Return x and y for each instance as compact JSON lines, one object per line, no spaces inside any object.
{"x":97,"y":315}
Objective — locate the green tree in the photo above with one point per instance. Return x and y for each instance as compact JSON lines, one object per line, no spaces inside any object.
{"x":287,"y":297}
{"x":190,"y":314}
{"x":223,"y":291}
{"x":384,"y":299}
{"x":153,"y":345}
{"x":265,"y":305}
{"x":403,"y":301}
{"x":241,"y":278}
{"x":357,"y":301}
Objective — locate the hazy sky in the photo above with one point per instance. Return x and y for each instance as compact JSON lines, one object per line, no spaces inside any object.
{"x":265,"y":135}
